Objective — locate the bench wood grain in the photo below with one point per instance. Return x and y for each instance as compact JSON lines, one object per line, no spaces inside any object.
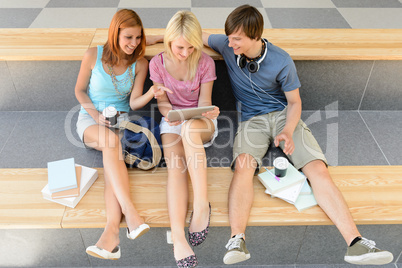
{"x":372,"y":193}
{"x":301,"y":44}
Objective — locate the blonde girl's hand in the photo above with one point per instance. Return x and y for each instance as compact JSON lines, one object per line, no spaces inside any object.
{"x":160,"y":91}
{"x":173,"y":123}
{"x":212,"y":114}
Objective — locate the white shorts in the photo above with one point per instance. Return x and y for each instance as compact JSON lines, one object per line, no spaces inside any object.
{"x":166,"y":128}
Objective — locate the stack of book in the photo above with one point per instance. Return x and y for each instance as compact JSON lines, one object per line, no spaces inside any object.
{"x":68,"y":182}
{"x":292,"y":188}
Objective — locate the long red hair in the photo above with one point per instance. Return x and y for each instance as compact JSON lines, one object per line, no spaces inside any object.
{"x":124,"y":18}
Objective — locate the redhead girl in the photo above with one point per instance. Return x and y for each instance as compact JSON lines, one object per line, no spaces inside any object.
{"x":113,"y":75}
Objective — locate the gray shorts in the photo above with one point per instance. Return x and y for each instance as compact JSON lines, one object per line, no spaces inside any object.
{"x":85,"y":120}
{"x":254,"y":136}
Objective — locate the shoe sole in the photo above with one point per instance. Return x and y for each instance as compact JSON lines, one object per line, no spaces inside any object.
{"x":93,"y":254}
{"x":142,"y":233}
{"x":379,"y":258}
{"x":235,"y":257}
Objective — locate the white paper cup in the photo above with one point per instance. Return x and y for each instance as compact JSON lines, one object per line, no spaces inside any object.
{"x":281,"y":165}
{"x":110,"y":113}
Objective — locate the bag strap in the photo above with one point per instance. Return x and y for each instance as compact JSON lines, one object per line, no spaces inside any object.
{"x":156,"y":150}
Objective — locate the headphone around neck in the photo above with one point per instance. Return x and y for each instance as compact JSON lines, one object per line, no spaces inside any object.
{"x":252,"y":66}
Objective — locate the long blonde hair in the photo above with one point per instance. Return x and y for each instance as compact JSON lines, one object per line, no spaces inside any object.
{"x":185,"y":24}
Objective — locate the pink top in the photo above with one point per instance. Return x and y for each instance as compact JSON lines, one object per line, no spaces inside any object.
{"x":186,"y":93}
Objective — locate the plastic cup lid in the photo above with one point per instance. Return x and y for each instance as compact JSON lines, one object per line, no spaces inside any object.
{"x":109,"y":111}
{"x":281,"y":163}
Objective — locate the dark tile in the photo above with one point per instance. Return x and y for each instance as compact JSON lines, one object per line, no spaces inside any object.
{"x":224,"y":3}
{"x":40,"y":137}
{"x":83,"y":3}
{"x":42,"y":248}
{"x":152,"y":19}
{"x":306,"y":18}
{"x":8,"y":121}
{"x":384,"y":88}
{"x":45,"y":85}
{"x":9,"y":100}
{"x":327,"y":82}
{"x":325,"y":245}
{"x":368,"y":3}
{"x":322,"y":245}
{"x":344,"y":138}
{"x":148,"y":250}
{"x":386,"y":126}
{"x":18,"y":17}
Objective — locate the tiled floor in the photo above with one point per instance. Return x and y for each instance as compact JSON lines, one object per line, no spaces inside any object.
{"x":363,"y":136}
{"x":211,"y":14}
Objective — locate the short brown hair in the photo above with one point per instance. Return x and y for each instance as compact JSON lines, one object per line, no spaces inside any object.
{"x":124,"y":18}
{"x":246,"y":18}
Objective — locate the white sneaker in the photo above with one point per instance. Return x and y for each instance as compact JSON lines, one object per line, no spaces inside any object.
{"x":237,"y":251}
{"x":366,"y":253}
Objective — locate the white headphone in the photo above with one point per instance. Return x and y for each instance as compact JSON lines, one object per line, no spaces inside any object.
{"x":242,"y":61}
{"x":252,"y":66}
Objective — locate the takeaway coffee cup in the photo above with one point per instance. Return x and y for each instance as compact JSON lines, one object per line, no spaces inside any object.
{"x":110,"y":113}
{"x":281,"y":165}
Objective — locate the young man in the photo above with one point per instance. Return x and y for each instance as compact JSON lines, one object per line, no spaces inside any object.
{"x":266,"y":87}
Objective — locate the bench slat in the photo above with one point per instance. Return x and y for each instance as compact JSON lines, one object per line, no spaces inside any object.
{"x":372,"y":193}
{"x":301,"y":44}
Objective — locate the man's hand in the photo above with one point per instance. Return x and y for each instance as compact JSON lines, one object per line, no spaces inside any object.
{"x":288,"y":140}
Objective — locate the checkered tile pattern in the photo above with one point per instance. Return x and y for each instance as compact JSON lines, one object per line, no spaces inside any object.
{"x":211,"y":13}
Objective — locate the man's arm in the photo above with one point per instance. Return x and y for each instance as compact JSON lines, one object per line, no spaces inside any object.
{"x":292,"y":119}
{"x":205,"y":37}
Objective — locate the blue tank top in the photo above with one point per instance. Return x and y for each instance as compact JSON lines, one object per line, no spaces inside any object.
{"x":101,"y":90}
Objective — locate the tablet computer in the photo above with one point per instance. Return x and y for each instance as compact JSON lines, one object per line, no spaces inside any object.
{"x":185,"y":114}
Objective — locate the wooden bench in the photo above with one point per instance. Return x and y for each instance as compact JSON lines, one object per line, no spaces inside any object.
{"x":373,"y":194}
{"x":301,"y":44}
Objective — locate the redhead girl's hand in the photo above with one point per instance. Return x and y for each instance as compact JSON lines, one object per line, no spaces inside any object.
{"x":101,"y":120}
{"x":173,"y":123}
{"x":160,"y":91}
{"x":212,"y":114}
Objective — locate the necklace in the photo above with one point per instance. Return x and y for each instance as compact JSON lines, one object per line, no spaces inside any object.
{"x":128,"y":80}
{"x":259,"y":56}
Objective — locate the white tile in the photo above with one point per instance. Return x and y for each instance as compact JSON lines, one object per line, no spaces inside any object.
{"x":155,"y":3}
{"x":214,"y":18}
{"x":373,"y":18}
{"x":74,"y":18}
{"x":267,"y":22}
{"x":23,"y":3}
{"x":297,"y":4}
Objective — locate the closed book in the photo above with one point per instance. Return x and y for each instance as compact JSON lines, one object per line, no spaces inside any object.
{"x":72,"y":192}
{"x":305,"y":201}
{"x":88,"y":177}
{"x":275,"y":185}
{"x":306,"y":189}
{"x":61,"y":175}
